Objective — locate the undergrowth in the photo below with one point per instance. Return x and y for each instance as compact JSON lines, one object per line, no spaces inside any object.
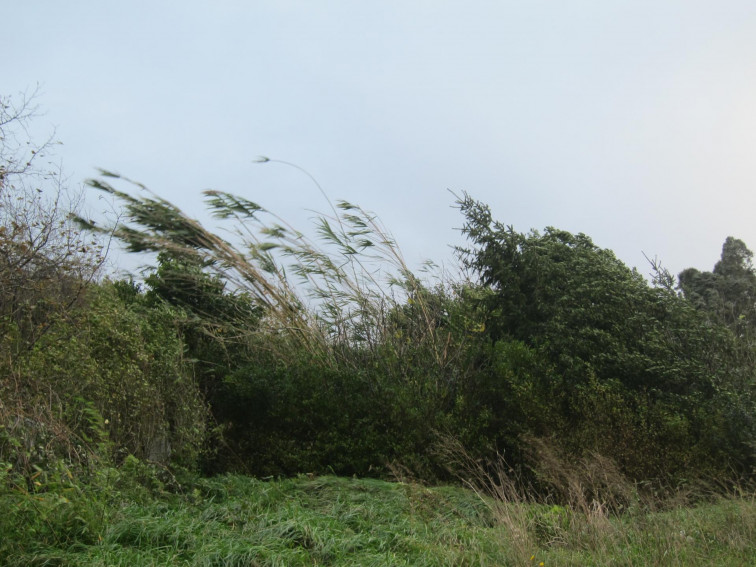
{"x":140,"y":515}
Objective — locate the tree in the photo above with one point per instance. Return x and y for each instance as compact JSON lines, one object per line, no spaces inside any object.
{"x":727,"y":293}
{"x":561,"y":293}
{"x":45,"y":262}
{"x":621,"y":367}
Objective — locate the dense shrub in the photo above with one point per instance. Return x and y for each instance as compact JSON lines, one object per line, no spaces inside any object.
{"x":584,"y":349}
{"x":214,"y":323}
{"x":111,"y":379}
{"x":553,"y":337}
{"x":286,"y":417}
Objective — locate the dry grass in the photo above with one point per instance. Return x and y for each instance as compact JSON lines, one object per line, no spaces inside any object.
{"x":585,"y":512}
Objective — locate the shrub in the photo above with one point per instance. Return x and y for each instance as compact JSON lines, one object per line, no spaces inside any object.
{"x":111,"y":380}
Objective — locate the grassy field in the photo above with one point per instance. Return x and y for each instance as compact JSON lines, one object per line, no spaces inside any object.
{"x":240,"y":521}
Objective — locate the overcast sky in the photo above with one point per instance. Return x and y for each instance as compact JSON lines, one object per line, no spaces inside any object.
{"x":631,"y":121}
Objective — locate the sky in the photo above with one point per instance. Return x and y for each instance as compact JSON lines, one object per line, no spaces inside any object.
{"x":631,"y":121}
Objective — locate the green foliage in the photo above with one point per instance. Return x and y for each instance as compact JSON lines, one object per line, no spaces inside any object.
{"x":273,"y":354}
{"x":233,"y":520}
{"x":54,"y":508}
{"x":183,"y":281}
{"x":337,"y":290}
{"x":727,"y":294}
{"x":291,"y":368}
{"x":142,"y":383}
{"x":557,"y":338}
{"x":46,"y":268}
{"x":300,"y":418}
{"x":214,"y":324}
{"x":626,"y":369}
{"x":109,"y":380}
{"x":304,"y":416}
{"x":60,"y":511}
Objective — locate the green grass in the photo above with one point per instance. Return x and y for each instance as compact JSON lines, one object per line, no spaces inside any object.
{"x":240,"y":521}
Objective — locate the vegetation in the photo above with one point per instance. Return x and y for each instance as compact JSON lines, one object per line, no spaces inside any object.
{"x":238,"y":520}
{"x":581,"y":408}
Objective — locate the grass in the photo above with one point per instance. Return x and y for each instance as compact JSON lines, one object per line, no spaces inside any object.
{"x":240,"y":521}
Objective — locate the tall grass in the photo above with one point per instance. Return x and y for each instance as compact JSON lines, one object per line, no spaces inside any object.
{"x":125,"y":518}
{"x":324,"y":295}
{"x":586,"y":512}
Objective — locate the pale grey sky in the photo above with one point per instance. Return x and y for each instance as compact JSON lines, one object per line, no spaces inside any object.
{"x":632,"y":121}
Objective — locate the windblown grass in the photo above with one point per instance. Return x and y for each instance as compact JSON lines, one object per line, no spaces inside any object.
{"x":583,"y":511}
{"x":240,"y":521}
{"x":336,"y":288}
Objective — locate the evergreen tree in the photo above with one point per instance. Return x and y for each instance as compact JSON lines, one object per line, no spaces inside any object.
{"x":727,"y":294}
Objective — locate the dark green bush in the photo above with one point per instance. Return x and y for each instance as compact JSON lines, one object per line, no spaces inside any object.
{"x":584,"y":349}
{"x":301,"y":416}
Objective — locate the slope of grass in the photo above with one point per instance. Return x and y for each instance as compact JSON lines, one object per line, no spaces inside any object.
{"x":239,"y":521}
